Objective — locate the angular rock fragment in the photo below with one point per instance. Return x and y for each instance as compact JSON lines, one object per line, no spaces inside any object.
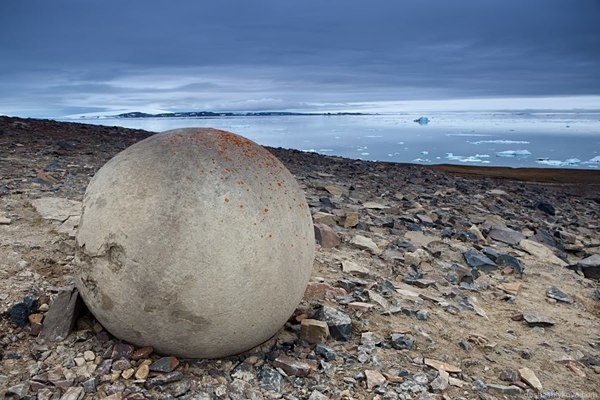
{"x":590,"y":267}
{"x":325,"y":236}
{"x":534,"y":319}
{"x":365,"y":243}
{"x":545,"y":207}
{"x":164,"y":364}
{"x":531,"y":379}
{"x":510,"y":287}
{"x":441,"y":382}
{"x":557,"y":294}
{"x":339,"y":323}
{"x":270,"y":379}
{"x":324,"y":351}
{"x":441,"y":365}
{"x":477,"y":259}
{"x":374,"y":378}
{"x":291,"y":366}
{"x":314,"y":331}
{"x":351,"y":267}
{"x":506,"y":235}
{"x":163,"y":379}
{"x":543,"y":253}
{"x":61,"y":316}
{"x":401,"y":342}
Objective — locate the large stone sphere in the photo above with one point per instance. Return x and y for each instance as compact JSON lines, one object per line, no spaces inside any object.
{"x":197,"y":242}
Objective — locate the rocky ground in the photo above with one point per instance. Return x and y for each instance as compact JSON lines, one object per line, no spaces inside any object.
{"x":428,"y":283}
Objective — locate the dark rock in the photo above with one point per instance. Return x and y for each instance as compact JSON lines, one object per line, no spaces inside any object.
{"x":61,"y":317}
{"x":164,"y":364}
{"x":464,"y":274}
{"x":422,"y":315}
{"x":326,"y":352}
{"x":534,"y":319}
{"x":142,"y":352}
{"x":270,"y":379}
{"x":509,"y":375}
{"x":179,"y":388}
{"x":545,"y":207}
{"x":164,"y":379}
{"x":557,"y":294}
{"x":510,"y":261}
{"x":340,"y":324}
{"x":465,"y":345}
{"x":89,"y":386}
{"x":467,"y":236}
{"x":20,"y":391}
{"x":590,"y":267}
{"x":546,"y":238}
{"x":506,"y":235}
{"x":447,"y":233}
{"x":104,"y":367}
{"x":121,"y":364}
{"x":477,"y":259}
{"x":122,"y":350}
{"x":401,"y":341}
{"x":492,"y":253}
{"x":18,"y":314}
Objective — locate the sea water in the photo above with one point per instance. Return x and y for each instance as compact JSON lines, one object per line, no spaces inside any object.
{"x":566,"y":140}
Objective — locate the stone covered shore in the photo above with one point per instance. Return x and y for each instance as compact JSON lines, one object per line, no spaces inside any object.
{"x":443,"y":282}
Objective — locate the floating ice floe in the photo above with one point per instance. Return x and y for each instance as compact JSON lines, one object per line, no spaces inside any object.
{"x":468,"y":134}
{"x":422,"y":120}
{"x":499,"y":142}
{"x":424,"y":153}
{"x":474,"y":159}
{"x":557,"y":163}
{"x":595,"y":160}
{"x":421,"y":160}
{"x":513,"y":153}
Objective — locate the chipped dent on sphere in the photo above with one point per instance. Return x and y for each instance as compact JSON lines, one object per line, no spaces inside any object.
{"x":197,"y":242}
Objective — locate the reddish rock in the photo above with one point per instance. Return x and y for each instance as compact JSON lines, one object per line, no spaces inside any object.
{"x":325,"y":236}
{"x":164,"y":364}
{"x":291,"y":366}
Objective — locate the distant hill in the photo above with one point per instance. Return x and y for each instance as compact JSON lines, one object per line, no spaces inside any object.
{"x":195,"y":114}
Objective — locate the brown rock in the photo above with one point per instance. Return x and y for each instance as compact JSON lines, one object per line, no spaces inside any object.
{"x":441,"y":365}
{"x":351,"y":220}
{"x":314,"y":331}
{"x":142,"y":352}
{"x":374,"y":378}
{"x":164,"y":364}
{"x":325,"y":236}
{"x":360,"y":306}
{"x":291,"y":366}
{"x":510,"y":287}
{"x":529,"y":377}
{"x":324,"y":218}
{"x":321,"y":290}
{"x":142,"y":372}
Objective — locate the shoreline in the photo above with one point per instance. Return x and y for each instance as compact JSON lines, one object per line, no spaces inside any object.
{"x":568,"y":176}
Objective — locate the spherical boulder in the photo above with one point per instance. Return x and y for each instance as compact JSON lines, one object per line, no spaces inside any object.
{"x":197,"y":242}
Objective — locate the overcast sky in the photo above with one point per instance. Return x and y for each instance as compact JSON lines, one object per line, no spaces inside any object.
{"x":64,"y":57}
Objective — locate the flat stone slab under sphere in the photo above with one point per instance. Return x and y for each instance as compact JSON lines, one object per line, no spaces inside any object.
{"x":197,"y":242}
